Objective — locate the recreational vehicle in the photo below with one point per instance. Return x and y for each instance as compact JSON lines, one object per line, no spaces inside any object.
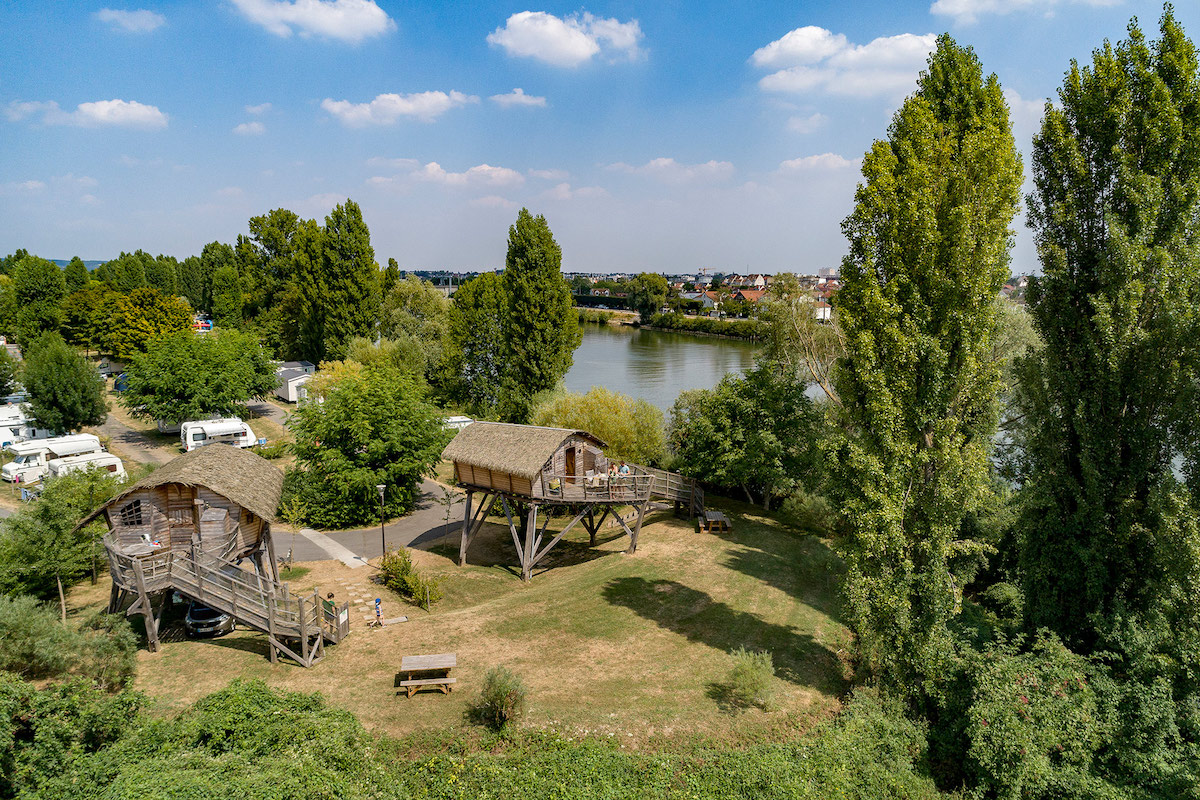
{"x":65,"y":466}
{"x":230,"y":430}
{"x":32,"y":458}
{"x":17,"y":425}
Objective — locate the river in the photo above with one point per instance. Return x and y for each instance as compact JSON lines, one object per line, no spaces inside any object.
{"x":654,"y":365}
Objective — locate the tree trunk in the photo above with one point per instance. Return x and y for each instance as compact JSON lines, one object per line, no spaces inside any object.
{"x":62,"y":599}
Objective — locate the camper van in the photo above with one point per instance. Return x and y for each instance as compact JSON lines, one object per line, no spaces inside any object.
{"x":31,"y":458}
{"x":105,"y":461}
{"x":211,"y":431}
{"x":17,"y":425}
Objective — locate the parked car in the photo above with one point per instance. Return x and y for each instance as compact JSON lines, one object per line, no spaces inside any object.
{"x":204,"y":621}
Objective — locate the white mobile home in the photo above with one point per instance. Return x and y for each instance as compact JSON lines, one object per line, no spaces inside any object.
{"x":291,"y":385}
{"x":105,"y":461}
{"x":18,"y":425}
{"x":230,"y":430}
{"x":32,"y":457}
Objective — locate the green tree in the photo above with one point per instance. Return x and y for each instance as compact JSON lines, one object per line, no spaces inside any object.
{"x":8,"y":264}
{"x":475,"y":356}
{"x":191,"y":282}
{"x":86,"y":315}
{"x":632,"y":430}
{"x":227,"y":297}
{"x":142,"y":316}
{"x":390,"y":276}
{"x":76,"y":275}
{"x":647,"y":294}
{"x":541,"y":329}
{"x":40,"y":290}
{"x":9,"y":370}
{"x":929,"y":243}
{"x":757,"y":433}
{"x":373,"y":426}
{"x":417,"y":316}
{"x":214,"y":256}
{"x":8,"y":306}
{"x":163,"y":274}
{"x":65,"y":391}
{"x":348,"y":307}
{"x":127,"y":271}
{"x":183,"y":376}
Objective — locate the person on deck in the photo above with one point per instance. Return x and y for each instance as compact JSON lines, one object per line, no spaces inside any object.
{"x":624,"y":468}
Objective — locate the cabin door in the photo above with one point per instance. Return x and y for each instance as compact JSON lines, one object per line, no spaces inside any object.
{"x":570,"y":465}
{"x":179,"y":516}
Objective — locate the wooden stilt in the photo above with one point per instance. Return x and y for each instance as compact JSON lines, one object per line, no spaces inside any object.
{"x":527,"y":551}
{"x":591,"y":525}
{"x":541,"y":553}
{"x":272,"y":610}
{"x":466,"y":531}
{"x":274,"y":564}
{"x":114,"y":599}
{"x":637,"y":529}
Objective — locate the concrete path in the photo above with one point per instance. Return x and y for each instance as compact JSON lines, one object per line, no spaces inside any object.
{"x":426,"y":525}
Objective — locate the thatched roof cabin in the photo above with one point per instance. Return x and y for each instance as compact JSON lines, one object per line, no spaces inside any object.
{"x":524,"y":460}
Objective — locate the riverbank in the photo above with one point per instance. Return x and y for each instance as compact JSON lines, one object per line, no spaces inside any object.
{"x":748,"y":329}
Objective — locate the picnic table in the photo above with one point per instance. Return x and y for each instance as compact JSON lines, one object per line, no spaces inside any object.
{"x":428,"y":670}
{"x":714,"y":522}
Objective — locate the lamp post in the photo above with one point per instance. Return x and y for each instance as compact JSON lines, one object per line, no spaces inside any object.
{"x":382,"y":535}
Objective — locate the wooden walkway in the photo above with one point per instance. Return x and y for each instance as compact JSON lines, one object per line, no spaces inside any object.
{"x":296,"y":625}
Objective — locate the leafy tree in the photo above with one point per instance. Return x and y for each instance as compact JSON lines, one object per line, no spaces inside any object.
{"x":476,"y":353}
{"x":142,"y":316}
{"x":647,"y":294}
{"x":929,"y":242}
{"x":191,"y":282}
{"x":163,"y":274}
{"x":65,"y":391}
{"x":183,"y":376}
{"x":374,"y":426}
{"x":541,"y":328}
{"x":756,"y":433}
{"x":8,"y":373}
{"x":632,"y":429}
{"x":127,"y":271}
{"x":8,"y":264}
{"x":76,"y":275}
{"x":40,"y":290}
{"x":581,"y":285}
{"x":8,"y":305}
{"x":227,"y":297}
{"x":417,"y":315}
{"x":86,"y":315}
{"x":214,"y":256}
{"x":390,"y":276}
{"x":404,"y":354}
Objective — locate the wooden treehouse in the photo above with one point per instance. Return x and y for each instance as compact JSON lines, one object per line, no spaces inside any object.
{"x":187,"y":527}
{"x":526,"y":467}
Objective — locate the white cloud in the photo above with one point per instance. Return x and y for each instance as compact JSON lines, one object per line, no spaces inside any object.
{"x":261,"y":108}
{"x":250,"y":129}
{"x":26,"y":186}
{"x":230,"y":191}
{"x":140,"y":21}
{"x":824,"y":161}
{"x":493,"y":201}
{"x":668,"y":170}
{"x":517,"y":97}
{"x":814,"y":59}
{"x":385,"y":109}
{"x":550,"y":174}
{"x":482,"y":175}
{"x":111,"y":113}
{"x":346,"y":20}
{"x":563,"y":191}
{"x":395,"y":163}
{"x":567,"y":41}
{"x":807,"y":124}
{"x":966,"y":12}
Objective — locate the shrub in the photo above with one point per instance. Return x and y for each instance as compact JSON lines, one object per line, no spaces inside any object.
{"x":750,"y":680}
{"x":271,"y":451}
{"x":502,"y":698}
{"x":399,"y":574}
{"x":109,"y":651}
{"x":810,"y":511}
{"x":33,"y":643}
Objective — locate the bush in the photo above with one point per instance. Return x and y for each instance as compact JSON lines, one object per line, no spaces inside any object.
{"x":750,"y":680}
{"x":109,"y":652}
{"x":399,"y":574}
{"x":271,"y":451}
{"x":809,"y":511}
{"x":502,"y":698}
{"x":734,"y":328}
{"x":34,"y":644}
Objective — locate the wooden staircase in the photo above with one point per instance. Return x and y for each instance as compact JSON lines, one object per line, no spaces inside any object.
{"x":296,"y":625}
{"x":685,"y":493}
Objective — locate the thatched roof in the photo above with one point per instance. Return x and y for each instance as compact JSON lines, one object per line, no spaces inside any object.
{"x":246,"y":478}
{"x":516,"y":449}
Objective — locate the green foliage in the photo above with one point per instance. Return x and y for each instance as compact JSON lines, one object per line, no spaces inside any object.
{"x":85,"y":316}
{"x":183,"y":376}
{"x":417,"y":317}
{"x":733,"y":328}
{"x":374,"y":426}
{"x":751,"y":680}
{"x":8,"y":372}
{"x":929,"y":242}
{"x":65,"y":391}
{"x":399,"y":574}
{"x":36,"y":645}
{"x":810,"y":511}
{"x":348,"y":282}
{"x":408,"y":355}
{"x":632,"y":429}
{"x":590,"y":316}
{"x":227,"y":297}
{"x":163,"y":274}
{"x":40,"y":289}
{"x":647,"y":294}
{"x":8,"y":305}
{"x":541,"y":329}
{"x":757,"y":433}
{"x":140,"y":317}
{"x":476,"y":354}
{"x":127,"y":271}
{"x":75,"y":275}
{"x":502,"y":698}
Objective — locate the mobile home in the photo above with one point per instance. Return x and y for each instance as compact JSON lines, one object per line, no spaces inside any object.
{"x":230,"y":430}
{"x":32,"y":457}
{"x":18,"y":425}
{"x":105,"y":461}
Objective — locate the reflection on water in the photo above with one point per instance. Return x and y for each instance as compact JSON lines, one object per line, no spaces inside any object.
{"x":654,"y":365}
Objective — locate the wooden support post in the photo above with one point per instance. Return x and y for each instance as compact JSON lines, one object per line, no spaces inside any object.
{"x":637,"y":529}
{"x":303,"y":632}
{"x":591,"y":525}
{"x":271,"y":612}
{"x":527,"y":551}
{"x":273,"y":571}
{"x":114,"y":598}
{"x":539,"y":554}
{"x":466,"y":531}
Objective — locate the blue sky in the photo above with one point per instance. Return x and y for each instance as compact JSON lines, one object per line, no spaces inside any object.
{"x":653,"y":135}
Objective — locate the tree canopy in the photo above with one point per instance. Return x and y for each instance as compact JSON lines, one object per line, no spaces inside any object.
{"x":140,"y":317}
{"x":65,"y":391}
{"x":40,"y":289}
{"x":631,"y":429}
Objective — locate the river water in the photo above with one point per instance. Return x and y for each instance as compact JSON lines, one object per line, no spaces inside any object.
{"x":654,"y":365}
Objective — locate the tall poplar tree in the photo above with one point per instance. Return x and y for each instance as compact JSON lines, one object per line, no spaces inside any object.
{"x":1108,"y":537}
{"x":350,"y":300}
{"x":929,"y":250}
{"x":542,"y":328}
{"x":76,"y":275}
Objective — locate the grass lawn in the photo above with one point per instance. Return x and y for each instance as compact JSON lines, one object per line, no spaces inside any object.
{"x":634,"y":646}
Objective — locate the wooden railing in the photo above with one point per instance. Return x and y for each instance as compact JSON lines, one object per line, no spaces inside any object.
{"x":673,"y":487}
{"x":577,"y":489}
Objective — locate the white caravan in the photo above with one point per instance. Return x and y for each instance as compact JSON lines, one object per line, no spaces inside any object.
{"x":105,"y":461}
{"x":230,"y":430}
{"x":31,"y":458}
{"x":17,"y":425}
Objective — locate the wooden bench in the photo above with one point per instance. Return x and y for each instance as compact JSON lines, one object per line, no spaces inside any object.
{"x":428,"y":670}
{"x":714,"y":522}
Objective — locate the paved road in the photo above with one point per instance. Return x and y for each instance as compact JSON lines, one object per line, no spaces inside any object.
{"x":424,"y":526}
{"x":268,"y":410}
{"x":132,"y":444}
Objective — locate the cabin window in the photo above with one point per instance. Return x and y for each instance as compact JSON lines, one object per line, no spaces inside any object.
{"x":131,"y":514}
{"x":199,"y":436}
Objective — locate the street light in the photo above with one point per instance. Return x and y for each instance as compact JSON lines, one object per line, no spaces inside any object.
{"x":382,"y":535}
